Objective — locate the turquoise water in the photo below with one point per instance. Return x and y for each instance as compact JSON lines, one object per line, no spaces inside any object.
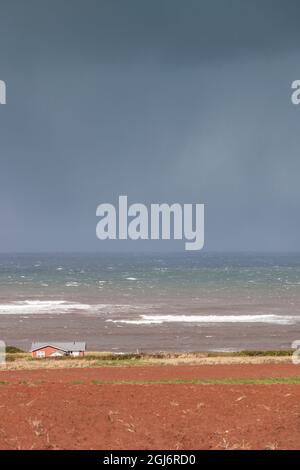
{"x":195,"y":280}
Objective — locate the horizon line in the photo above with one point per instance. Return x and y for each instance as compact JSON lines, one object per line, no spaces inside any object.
{"x":132,"y":252}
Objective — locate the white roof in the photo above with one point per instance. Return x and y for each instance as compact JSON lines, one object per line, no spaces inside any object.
{"x":63,"y":346}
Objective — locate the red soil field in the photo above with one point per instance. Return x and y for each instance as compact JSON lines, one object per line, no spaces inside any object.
{"x":64,"y":409}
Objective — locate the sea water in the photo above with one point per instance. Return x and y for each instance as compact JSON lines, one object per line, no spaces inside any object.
{"x":153,"y":301}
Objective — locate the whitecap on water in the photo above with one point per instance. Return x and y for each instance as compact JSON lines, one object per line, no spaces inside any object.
{"x":41,"y":307}
{"x":159,"y":319}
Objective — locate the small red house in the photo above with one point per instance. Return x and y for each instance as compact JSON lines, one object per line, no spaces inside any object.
{"x":54,"y":349}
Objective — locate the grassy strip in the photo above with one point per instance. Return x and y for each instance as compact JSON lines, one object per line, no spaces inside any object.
{"x":13,"y":350}
{"x":252,"y":353}
{"x":115,"y":357}
{"x":225,"y":381}
{"x":14,"y":354}
{"x":229,"y":381}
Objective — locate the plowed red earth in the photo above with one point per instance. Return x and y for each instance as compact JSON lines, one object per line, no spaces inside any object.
{"x":64,"y":409}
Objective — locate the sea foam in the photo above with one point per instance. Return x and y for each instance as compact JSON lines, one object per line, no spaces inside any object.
{"x":159,"y":319}
{"x":40,"y":306}
{"x":36,"y":307}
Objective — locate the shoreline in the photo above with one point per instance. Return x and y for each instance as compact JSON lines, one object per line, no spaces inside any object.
{"x":101,"y":335}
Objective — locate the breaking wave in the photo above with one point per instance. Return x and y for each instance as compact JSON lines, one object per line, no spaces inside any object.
{"x":36,"y":307}
{"x":40,"y":306}
{"x":159,"y":319}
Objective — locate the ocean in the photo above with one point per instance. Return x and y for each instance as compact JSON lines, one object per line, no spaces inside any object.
{"x":151,"y":302}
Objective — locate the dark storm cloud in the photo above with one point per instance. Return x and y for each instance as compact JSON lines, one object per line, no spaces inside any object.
{"x":174,"y":30}
{"x":184,"y":101}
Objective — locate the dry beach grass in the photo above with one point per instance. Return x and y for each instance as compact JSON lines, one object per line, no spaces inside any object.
{"x":19,"y":361}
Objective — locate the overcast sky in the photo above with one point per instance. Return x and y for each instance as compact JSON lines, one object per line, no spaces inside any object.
{"x":165,"y":101}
